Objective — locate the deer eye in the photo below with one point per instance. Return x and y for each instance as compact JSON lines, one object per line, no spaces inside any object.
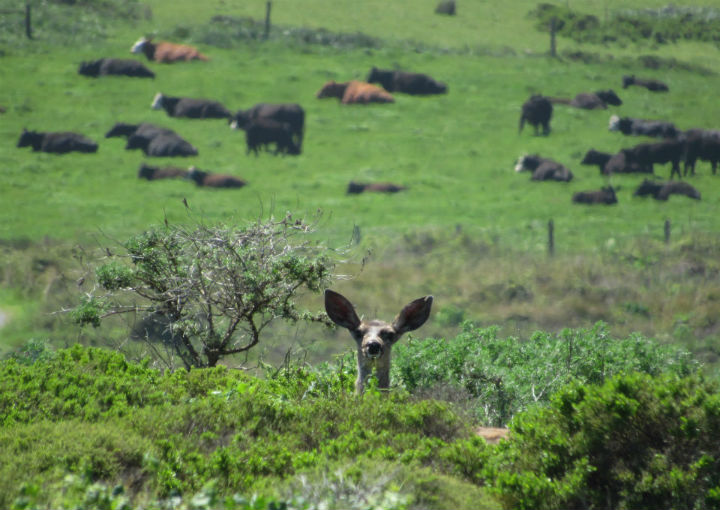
{"x":386,"y":336}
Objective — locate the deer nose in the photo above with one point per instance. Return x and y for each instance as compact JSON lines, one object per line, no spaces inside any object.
{"x":374,"y":349}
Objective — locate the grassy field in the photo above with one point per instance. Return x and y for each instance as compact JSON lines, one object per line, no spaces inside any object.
{"x":467,"y":222}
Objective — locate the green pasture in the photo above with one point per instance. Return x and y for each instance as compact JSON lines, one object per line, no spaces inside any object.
{"x":455,"y":152}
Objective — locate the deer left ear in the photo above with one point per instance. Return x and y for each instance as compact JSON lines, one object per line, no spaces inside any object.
{"x":413,"y":315}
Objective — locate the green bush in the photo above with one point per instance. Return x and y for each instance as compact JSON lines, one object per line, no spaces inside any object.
{"x":635,"y":442}
{"x":504,"y":376}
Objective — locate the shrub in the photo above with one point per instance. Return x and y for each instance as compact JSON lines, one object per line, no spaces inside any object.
{"x":637,"y":441}
{"x":504,"y":376}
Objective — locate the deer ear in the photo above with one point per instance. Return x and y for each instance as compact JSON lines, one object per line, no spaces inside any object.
{"x":340,"y":310}
{"x":413,"y":315}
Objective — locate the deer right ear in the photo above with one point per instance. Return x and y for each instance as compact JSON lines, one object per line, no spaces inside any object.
{"x":340,"y":310}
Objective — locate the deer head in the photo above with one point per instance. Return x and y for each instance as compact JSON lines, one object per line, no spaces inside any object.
{"x":375,"y":338}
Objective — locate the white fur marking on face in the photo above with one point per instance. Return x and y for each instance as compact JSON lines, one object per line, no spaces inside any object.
{"x":614,"y":124}
{"x":234,"y":125}
{"x":138,"y":46}
{"x":520,"y":165}
{"x":157,"y":101}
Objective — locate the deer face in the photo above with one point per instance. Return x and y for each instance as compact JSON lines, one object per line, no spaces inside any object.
{"x":375,"y":338}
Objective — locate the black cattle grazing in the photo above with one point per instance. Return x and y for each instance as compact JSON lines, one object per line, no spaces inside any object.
{"x":262,"y":132}
{"x":57,"y":143}
{"x":406,"y":82}
{"x":650,"y":84}
{"x":701,"y":144}
{"x":289,"y":113}
{"x":154,"y":173}
{"x":162,"y":145}
{"x":606,"y":195}
{"x":190,"y":108}
{"x":663,"y":190}
{"x":115,"y":67}
{"x":144,"y":129}
{"x":611,"y":163}
{"x":209,"y":180}
{"x":641,"y":127}
{"x":591,"y":100}
{"x":543,"y":169}
{"x":645,"y":155}
{"x":537,"y":111}
{"x":355,"y":188}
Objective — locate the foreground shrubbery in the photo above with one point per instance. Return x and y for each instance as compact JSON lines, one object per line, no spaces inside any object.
{"x":83,"y":427}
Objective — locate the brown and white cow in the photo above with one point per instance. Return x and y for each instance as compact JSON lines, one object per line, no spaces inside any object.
{"x":355,"y":92}
{"x":166,"y":52}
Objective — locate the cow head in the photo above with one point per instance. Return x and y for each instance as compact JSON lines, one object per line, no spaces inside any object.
{"x":157,"y":103}
{"x":609,"y":96}
{"x":614,"y":124}
{"x":90,"y":68}
{"x":139,"y":46}
{"x":332,"y":89}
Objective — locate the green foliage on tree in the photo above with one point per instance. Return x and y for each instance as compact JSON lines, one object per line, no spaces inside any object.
{"x":215,"y":288}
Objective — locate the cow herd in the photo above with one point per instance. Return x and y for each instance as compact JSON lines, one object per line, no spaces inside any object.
{"x":674,"y":146}
{"x":268,"y":127}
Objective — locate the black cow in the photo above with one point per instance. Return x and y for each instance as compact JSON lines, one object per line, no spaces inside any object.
{"x":537,"y":111}
{"x":543,"y":169}
{"x":209,"y":180}
{"x":650,"y":84}
{"x":262,"y":132}
{"x":701,"y":144}
{"x":406,"y":82}
{"x":190,"y":108}
{"x":355,"y":188}
{"x":289,"y":113}
{"x":144,"y":129}
{"x":611,"y":163}
{"x":116,"y":67}
{"x":58,"y":143}
{"x":641,"y":127}
{"x":153,"y":173}
{"x":163,"y":145}
{"x":663,"y":190}
{"x":591,"y":100}
{"x":446,"y":7}
{"x":606,"y":195}
{"x":646,"y":155}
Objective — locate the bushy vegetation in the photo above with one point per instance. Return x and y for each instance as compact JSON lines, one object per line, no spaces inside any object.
{"x":665,"y":25}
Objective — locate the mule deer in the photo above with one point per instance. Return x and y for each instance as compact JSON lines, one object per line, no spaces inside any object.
{"x":375,"y":338}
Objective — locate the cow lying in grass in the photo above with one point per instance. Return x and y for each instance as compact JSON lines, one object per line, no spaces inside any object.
{"x":208,"y":180}
{"x":406,"y":82}
{"x":355,"y":188}
{"x":650,"y":84}
{"x":543,"y":169}
{"x":591,"y":100}
{"x":355,"y":92}
{"x":166,"y":52}
{"x":154,"y":173}
{"x":190,"y":107}
{"x":605,"y":195}
{"x":162,"y":145}
{"x":642,"y":127}
{"x":115,"y":67}
{"x":57,"y":143}
{"x":662,"y":190}
{"x":611,"y":163}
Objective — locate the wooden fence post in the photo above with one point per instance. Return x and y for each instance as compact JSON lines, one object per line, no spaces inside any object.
{"x":551,"y":237}
{"x":28,"y":23}
{"x":553,"y":30}
{"x":268,"y":6}
{"x":667,"y":231}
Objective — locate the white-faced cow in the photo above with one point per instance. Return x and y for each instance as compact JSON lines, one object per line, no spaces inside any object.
{"x":543,"y":169}
{"x":642,"y":127}
{"x":537,"y":111}
{"x":166,"y":52}
{"x":189,"y":107}
{"x":375,"y":338}
{"x":57,"y":143}
{"x":406,"y":82}
{"x":115,"y":67}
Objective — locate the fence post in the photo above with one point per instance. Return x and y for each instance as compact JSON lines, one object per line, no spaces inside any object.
{"x":551,"y":237}
{"x":553,"y":30}
{"x":268,"y":6}
{"x":28,"y":23}
{"x":667,"y":231}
